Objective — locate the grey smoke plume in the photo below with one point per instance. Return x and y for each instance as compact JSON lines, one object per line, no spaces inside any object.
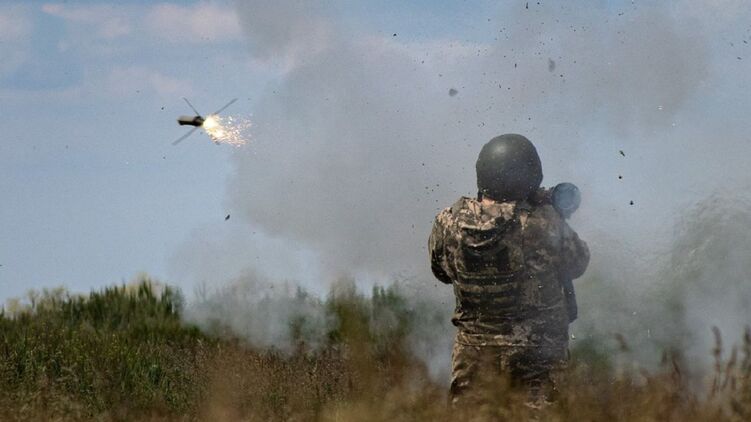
{"x":709,"y":277}
{"x":701,"y":281}
{"x":266,"y":314}
{"x":286,"y":318}
{"x":359,"y":145}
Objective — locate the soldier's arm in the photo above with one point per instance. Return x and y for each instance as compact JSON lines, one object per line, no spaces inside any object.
{"x":542,"y":196}
{"x":437,"y":249}
{"x":575,"y":253}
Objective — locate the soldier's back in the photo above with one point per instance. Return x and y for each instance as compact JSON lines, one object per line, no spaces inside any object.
{"x":503,"y":260}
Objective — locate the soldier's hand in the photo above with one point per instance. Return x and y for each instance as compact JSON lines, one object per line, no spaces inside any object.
{"x":541,"y":196}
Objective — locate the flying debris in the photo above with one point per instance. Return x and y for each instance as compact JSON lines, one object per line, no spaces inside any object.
{"x":226,"y":218}
{"x":210,"y":123}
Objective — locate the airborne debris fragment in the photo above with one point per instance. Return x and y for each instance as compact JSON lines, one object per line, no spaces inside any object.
{"x":631,"y":202}
{"x":620,"y":151}
{"x":453,"y":92}
{"x":226,"y":218}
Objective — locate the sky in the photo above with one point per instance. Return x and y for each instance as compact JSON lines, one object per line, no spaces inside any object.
{"x":355,"y":142}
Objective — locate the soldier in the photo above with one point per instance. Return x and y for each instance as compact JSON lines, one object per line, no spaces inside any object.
{"x":507,"y":253}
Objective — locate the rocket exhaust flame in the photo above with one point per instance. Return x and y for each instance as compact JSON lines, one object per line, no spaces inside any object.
{"x":221,"y":130}
{"x":227,"y":130}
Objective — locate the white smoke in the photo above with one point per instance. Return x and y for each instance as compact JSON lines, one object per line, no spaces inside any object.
{"x":267,"y":315}
{"x":360,"y":144}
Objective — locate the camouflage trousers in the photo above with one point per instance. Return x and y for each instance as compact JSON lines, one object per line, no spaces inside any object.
{"x":484,"y":373}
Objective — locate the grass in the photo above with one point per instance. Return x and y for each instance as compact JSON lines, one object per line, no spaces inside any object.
{"x":116,"y":351}
{"x":125,"y":353}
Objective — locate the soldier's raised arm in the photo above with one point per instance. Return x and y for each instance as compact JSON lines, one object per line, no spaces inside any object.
{"x":575,"y":253}
{"x":436,"y":248}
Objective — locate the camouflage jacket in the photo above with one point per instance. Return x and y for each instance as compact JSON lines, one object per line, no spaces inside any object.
{"x":505,"y":261}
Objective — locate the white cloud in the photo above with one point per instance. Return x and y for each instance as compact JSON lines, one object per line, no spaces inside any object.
{"x":172,"y":22}
{"x":14,"y":24}
{"x":129,"y":81}
{"x":108,"y":22}
{"x":200,"y":23}
{"x":117,"y":83}
{"x":15,"y":27}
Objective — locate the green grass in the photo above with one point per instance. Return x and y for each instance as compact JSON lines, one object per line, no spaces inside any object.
{"x":120,"y":349}
{"x":124,"y":353}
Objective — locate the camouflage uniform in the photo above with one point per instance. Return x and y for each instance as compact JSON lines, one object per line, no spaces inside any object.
{"x":505,"y":261}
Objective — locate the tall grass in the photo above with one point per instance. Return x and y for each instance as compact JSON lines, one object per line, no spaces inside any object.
{"x":122,"y":349}
{"x":124,"y":353}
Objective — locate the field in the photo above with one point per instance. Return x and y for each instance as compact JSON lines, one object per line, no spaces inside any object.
{"x":125,"y":353}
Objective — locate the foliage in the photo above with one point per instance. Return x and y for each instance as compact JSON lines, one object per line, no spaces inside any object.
{"x":125,"y":354}
{"x":116,"y":350}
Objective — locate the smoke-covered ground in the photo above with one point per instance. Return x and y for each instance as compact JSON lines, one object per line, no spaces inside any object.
{"x":360,"y":143}
{"x":124,"y":353}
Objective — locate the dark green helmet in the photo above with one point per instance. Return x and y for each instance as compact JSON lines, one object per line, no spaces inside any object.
{"x":508,"y":168}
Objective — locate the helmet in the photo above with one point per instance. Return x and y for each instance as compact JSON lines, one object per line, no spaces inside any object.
{"x":508,"y":168}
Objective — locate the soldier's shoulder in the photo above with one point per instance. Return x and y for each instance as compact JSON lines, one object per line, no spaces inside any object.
{"x":546,"y":211}
{"x":463,"y":203}
{"x":545,"y":215}
{"x":461,"y":206}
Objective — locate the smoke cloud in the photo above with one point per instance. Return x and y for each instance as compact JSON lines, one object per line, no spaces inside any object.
{"x":266,"y":314}
{"x":367,"y":136}
{"x":360,"y":144}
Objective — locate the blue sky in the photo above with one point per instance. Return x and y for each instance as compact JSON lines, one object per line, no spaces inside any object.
{"x":92,"y":192}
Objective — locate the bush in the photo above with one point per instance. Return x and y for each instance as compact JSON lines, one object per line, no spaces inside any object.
{"x":123,"y":347}
{"x":125,"y":354}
